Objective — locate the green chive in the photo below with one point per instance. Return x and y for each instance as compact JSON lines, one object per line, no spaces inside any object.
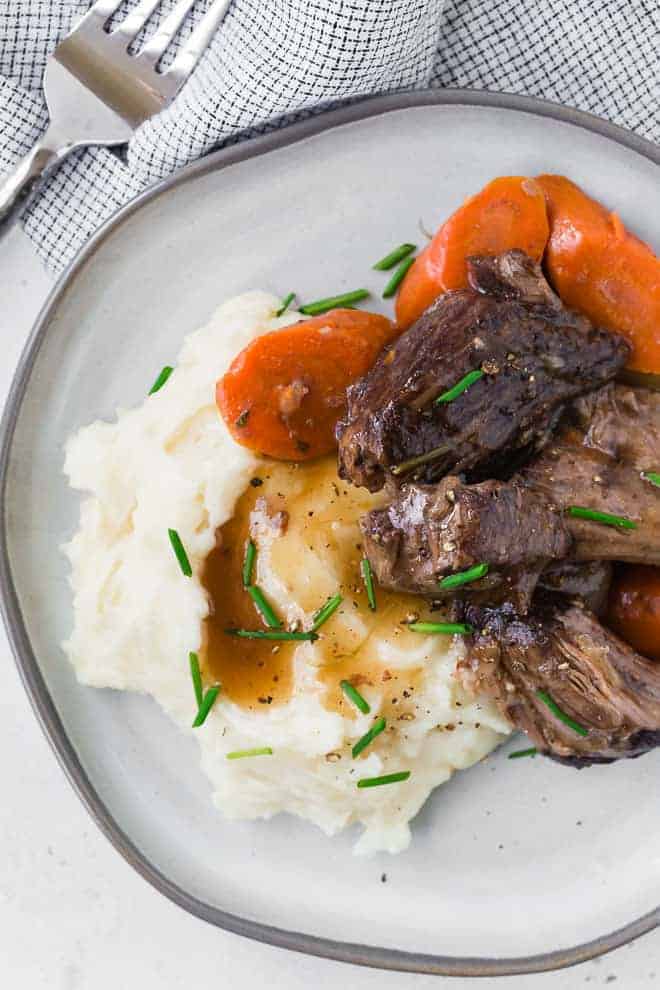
{"x":448,"y":628}
{"x":162,"y":378}
{"x":354,"y":695}
{"x":600,"y":517}
{"x":264,"y":606}
{"x":398,"y":277}
{"x":326,"y":611}
{"x":389,"y":778}
{"x":206,"y":706}
{"x":391,"y":259}
{"x":239,"y":754}
{"x":286,"y":302}
{"x":367,"y":577}
{"x":368,"y":737}
{"x":519,"y":753}
{"x":196,"y":675}
{"x":460,"y":387}
{"x":180,"y":552}
{"x":562,"y":716}
{"x":333,"y":302}
{"x":280,"y":634}
{"x":431,"y":455}
{"x":651,"y":476}
{"x":248,"y":562}
{"x":464,"y":577}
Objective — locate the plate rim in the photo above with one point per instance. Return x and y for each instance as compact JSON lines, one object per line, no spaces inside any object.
{"x":24,"y":656}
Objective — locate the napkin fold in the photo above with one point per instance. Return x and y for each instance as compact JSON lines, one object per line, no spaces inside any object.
{"x":275,"y":61}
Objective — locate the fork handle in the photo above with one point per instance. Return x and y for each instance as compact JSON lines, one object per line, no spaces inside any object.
{"x":20,"y":185}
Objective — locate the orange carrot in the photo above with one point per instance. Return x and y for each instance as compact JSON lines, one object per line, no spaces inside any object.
{"x":602,"y":270}
{"x":634,"y":608}
{"x":283,"y":394}
{"x":508,"y":213}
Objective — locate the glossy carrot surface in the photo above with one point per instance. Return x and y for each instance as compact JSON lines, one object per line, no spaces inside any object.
{"x":283,"y":394}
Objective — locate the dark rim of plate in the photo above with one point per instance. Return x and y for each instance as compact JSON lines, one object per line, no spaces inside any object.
{"x":28,"y":666}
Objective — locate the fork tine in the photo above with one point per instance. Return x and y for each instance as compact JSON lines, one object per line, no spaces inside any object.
{"x":135,"y":20}
{"x":155,"y":47}
{"x":199,"y":40}
{"x":103,"y":9}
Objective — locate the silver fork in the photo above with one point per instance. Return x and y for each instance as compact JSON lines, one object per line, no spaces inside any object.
{"x":97,"y":92}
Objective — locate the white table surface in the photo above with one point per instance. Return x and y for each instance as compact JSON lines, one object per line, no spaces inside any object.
{"x":75,"y":916}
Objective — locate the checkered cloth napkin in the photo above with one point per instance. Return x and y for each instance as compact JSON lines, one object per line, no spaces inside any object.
{"x":273,"y":61}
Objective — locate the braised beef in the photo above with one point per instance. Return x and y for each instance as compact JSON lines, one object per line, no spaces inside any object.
{"x":518,"y":527}
{"x":589,"y":580}
{"x":568,"y":473}
{"x":429,"y":531}
{"x":609,"y":692}
{"x":535,"y":356}
{"x":622,"y":422}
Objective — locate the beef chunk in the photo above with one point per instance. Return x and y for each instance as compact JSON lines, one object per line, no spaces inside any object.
{"x":535,"y":355}
{"x":587,"y":580}
{"x":621,"y":422}
{"x":520,"y":526}
{"x":594,"y":678}
{"x":432,"y":530}
{"x":569,"y":473}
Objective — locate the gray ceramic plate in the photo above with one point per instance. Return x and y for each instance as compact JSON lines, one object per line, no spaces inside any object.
{"x":515,"y":866}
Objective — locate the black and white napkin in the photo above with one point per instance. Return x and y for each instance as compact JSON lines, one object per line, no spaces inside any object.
{"x":273,"y":61}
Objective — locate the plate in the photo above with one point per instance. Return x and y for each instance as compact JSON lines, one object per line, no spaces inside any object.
{"x":516,"y":866}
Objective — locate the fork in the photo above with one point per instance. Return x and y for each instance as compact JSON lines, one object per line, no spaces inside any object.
{"x":98,"y":91}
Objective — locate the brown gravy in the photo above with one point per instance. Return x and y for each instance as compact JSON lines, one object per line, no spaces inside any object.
{"x":253,"y":673}
{"x":259,"y":673}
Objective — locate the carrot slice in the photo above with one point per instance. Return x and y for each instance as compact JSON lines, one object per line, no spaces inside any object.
{"x":284,"y":393}
{"x":508,"y":213}
{"x":634,"y":608}
{"x":602,"y":270}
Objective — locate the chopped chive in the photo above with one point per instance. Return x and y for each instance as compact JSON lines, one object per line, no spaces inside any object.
{"x":240,"y":754}
{"x":162,"y":378}
{"x":579,"y":512}
{"x":368,"y":737}
{"x":180,"y":552}
{"x":464,"y":577}
{"x":389,"y":778}
{"x":286,"y":302}
{"x":398,"y":277}
{"x":326,"y":611}
{"x":368,"y":578}
{"x":332,"y":302}
{"x":280,"y":634}
{"x":413,"y":462}
{"x":519,"y":753}
{"x":651,"y":476}
{"x":562,"y":716}
{"x":196,"y":675}
{"x":264,"y":606}
{"x":248,"y":562}
{"x":354,"y":695}
{"x":448,"y":628}
{"x":206,"y":706}
{"x":391,"y":259}
{"x":460,"y":387}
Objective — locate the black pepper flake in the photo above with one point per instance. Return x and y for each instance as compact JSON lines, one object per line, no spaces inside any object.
{"x":383,"y":878}
{"x":302,"y":445}
{"x":242,"y":419}
{"x":268,"y":700}
{"x":256,"y":482}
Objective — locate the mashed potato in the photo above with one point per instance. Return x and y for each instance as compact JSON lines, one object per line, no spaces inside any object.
{"x":171,"y":463}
